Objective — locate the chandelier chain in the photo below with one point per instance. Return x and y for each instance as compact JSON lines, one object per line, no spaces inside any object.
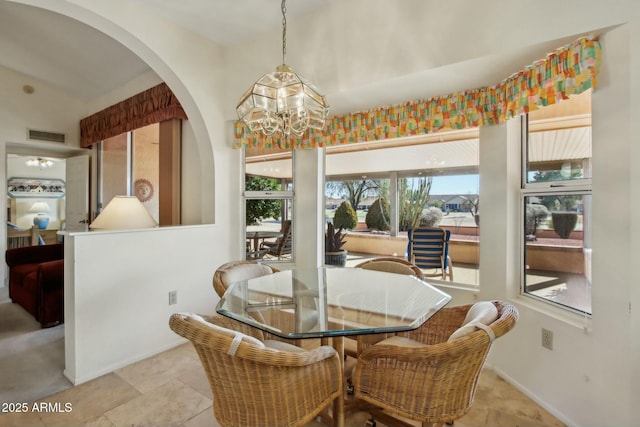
{"x":283,"y":102}
{"x":283,"y":7}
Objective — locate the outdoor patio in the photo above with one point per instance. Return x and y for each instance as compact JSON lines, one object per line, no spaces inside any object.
{"x":568,"y":289}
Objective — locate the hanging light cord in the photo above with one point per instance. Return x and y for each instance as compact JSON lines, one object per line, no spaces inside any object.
{"x":296,"y":105}
{"x":283,"y":7}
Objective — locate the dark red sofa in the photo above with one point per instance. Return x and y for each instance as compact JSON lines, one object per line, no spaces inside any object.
{"x":36,"y":281}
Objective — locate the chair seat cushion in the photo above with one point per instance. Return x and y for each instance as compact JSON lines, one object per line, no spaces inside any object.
{"x":483,"y":312}
{"x":282,"y":346}
{"x":401,"y":342}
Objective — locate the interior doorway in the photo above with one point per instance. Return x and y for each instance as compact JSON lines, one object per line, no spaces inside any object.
{"x":36,"y":190}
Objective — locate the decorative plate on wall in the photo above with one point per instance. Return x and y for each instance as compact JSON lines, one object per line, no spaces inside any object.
{"x":35,"y":187}
{"x":143,"y":189}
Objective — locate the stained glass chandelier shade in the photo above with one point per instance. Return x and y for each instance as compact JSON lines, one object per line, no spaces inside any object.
{"x":283,"y":101}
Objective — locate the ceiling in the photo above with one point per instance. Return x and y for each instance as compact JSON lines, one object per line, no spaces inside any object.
{"x":62,"y":52}
{"x":71,"y":56}
{"x":228,"y":22}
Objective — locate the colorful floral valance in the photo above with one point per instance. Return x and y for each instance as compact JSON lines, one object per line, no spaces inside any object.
{"x":151,"y":106}
{"x":569,"y":70}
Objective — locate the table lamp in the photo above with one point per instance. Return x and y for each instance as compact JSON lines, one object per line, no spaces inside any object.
{"x":123,"y":213}
{"x":41,"y":219}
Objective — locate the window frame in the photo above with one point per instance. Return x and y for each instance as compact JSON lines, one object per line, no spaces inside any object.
{"x":581,"y":186}
{"x":394,"y":176}
{"x":287,"y":196}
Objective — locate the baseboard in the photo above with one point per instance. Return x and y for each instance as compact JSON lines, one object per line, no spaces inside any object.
{"x":553,"y":411}
{"x":113,"y":367}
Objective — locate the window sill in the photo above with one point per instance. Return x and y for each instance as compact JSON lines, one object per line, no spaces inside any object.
{"x":562,"y":314}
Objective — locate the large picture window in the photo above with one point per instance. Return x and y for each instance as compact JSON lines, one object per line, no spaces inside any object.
{"x":556,"y":204}
{"x":394,"y":186}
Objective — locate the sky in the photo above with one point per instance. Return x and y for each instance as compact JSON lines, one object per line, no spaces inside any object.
{"x":457,"y":184}
{"x":447,"y":185}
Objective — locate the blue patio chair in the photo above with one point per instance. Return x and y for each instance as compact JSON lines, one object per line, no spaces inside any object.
{"x":428,"y":248}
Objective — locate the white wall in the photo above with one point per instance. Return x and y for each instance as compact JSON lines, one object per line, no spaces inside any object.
{"x":41,"y":111}
{"x":308,"y":215}
{"x":587,"y":378}
{"x":117,"y":288}
{"x":360,"y":50}
{"x":191,"y":66}
{"x":45,"y":109}
{"x":117,"y":284}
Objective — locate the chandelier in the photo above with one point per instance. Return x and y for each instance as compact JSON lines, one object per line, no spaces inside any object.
{"x":283,"y":101}
{"x":39,"y":163}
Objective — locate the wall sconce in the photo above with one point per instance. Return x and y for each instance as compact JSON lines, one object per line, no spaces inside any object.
{"x":123,"y":213}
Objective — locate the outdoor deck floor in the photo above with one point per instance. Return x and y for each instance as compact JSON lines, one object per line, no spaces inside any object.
{"x":572,"y":290}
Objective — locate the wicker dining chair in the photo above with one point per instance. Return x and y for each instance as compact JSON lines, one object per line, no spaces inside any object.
{"x":259,"y":382}
{"x":425,"y":376}
{"x":389,"y":265}
{"x":235,"y":271}
{"x":392,"y":265}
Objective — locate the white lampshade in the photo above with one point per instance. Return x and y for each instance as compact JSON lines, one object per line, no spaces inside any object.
{"x":123,"y":213}
{"x":39,"y":207}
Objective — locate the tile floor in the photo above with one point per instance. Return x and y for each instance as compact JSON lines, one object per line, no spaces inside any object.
{"x":170,"y":389}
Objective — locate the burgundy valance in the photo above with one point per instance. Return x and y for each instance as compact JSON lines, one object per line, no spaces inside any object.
{"x":151,"y":106}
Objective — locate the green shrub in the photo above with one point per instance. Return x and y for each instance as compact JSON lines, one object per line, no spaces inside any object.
{"x":378,"y":215}
{"x":430,"y":217}
{"x":535,"y":215}
{"x":564,"y":223}
{"x":345,"y":216}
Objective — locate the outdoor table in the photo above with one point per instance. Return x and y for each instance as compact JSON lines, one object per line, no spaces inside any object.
{"x":332,"y":303}
{"x":257,"y":236}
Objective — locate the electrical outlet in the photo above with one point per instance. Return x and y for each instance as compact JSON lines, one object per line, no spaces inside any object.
{"x":547,"y":339}
{"x":173,"y":297}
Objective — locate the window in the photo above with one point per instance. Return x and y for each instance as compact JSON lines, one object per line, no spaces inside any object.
{"x":145,"y":163}
{"x":556,"y":204}
{"x":429,"y":178}
{"x":129,"y":165}
{"x":420,"y":182}
{"x":268,"y":200}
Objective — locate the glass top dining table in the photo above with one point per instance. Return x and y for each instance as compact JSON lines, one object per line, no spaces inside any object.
{"x":330,"y":302}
